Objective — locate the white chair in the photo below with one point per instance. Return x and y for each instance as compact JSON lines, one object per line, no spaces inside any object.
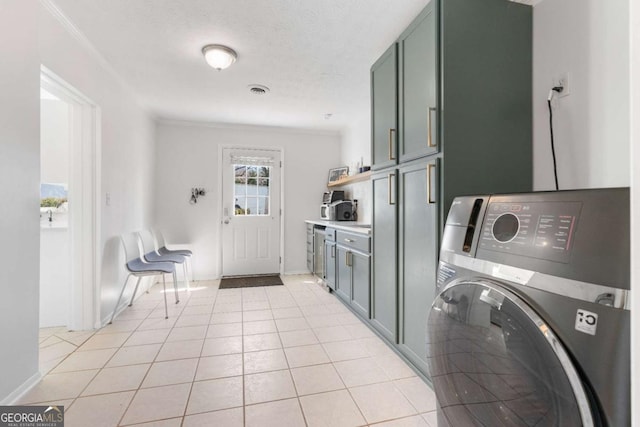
{"x":162,"y":249}
{"x":136,"y":266}
{"x":151,"y":254}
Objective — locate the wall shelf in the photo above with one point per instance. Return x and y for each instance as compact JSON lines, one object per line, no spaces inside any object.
{"x":364,"y":176}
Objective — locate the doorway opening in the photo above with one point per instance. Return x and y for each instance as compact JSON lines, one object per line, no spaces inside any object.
{"x":251,"y":240}
{"x":69,"y":218}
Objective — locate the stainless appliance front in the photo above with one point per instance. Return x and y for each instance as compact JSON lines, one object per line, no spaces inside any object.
{"x":531,"y":323}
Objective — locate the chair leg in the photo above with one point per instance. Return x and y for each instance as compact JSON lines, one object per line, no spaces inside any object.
{"x":186,"y":276}
{"x":191,"y":268}
{"x":175,"y":285}
{"x":164,"y":286}
{"x":135,"y":290}
{"x":119,"y":298}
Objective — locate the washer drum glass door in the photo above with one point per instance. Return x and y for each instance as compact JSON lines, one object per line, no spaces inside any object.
{"x":494,"y":362}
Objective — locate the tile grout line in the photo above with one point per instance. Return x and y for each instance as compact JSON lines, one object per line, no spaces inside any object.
{"x":305,"y":298}
{"x":148,"y":369}
{"x":195,"y":374}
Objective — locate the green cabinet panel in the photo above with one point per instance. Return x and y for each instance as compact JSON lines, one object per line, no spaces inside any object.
{"x":462,"y":104}
{"x":418,"y":208}
{"x":384,"y":91}
{"x":330,"y":264}
{"x":417,"y":94}
{"x":361,"y":282}
{"x":343,"y":274}
{"x":353,"y":271}
{"x":384,"y":254}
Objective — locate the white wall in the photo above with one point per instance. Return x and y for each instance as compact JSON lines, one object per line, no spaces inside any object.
{"x":356,"y":140}
{"x":54,"y":241}
{"x":127,"y":145}
{"x":20,"y":193}
{"x":590,"y":40}
{"x":54,"y":141}
{"x":356,"y":147}
{"x":187,"y":156}
{"x":54,"y":277}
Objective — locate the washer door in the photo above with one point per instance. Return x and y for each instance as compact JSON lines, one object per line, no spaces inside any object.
{"x":495,"y":362}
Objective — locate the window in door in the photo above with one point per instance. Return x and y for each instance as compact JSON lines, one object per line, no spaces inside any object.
{"x":251,"y":190}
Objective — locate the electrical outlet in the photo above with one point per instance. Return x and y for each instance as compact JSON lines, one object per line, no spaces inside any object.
{"x":563,"y":81}
{"x":107,"y":199}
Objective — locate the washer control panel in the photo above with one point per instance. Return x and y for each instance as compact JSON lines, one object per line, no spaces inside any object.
{"x":542,"y":230}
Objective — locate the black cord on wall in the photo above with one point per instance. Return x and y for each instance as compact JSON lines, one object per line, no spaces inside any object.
{"x":557,"y":89}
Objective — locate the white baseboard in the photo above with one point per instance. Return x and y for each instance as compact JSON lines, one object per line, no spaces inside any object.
{"x":297,"y":272}
{"x":14,"y":396}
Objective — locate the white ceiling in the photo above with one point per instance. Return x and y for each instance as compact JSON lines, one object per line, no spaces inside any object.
{"x":314,"y":55}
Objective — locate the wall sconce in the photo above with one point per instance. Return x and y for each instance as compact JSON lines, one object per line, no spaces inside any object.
{"x":195,"y":193}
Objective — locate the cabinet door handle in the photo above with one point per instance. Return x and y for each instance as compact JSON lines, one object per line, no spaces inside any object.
{"x":430,"y":166}
{"x":429,"y":128}
{"x":347,"y":259}
{"x":390,"y":182}
{"x":391,"y":133}
{"x":333,"y":251}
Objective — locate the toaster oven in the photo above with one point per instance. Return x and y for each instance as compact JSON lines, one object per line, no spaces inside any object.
{"x":342,"y":210}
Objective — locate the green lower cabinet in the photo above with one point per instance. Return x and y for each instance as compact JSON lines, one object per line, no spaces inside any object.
{"x":384,"y":313}
{"x":343,"y":274}
{"x":360,"y":282}
{"x":418,"y":254}
{"x":330,"y":264}
{"x":353,"y":278}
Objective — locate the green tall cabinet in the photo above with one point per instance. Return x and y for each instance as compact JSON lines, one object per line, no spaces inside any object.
{"x":460,"y":123}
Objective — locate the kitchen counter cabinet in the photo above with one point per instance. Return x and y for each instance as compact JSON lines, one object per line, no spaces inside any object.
{"x":417,"y":256}
{"x":384,"y":300}
{"x":350,"y":226}
{"x":348,"y":268}
{"x":330,"y":258}
{"x":462,"y":126}
{"x":384,"y":92}
{"x":310,"y":247}
{"x":417,"y":99}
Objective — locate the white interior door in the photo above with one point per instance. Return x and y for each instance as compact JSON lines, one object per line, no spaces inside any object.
{"x":250,"y":212}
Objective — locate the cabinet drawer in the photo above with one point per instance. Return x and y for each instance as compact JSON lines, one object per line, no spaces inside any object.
{"x":330,"y":234}
{"x":310,"y":261}
{"x":355,"y":241}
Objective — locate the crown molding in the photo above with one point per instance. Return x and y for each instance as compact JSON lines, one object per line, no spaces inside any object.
{"x":247,"y":127}
{"x":77,"y":35}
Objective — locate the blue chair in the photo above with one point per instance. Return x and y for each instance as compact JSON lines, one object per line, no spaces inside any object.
{"x":136,"y":266}
{"x":161,"y":246}
{"x":151,"y":254}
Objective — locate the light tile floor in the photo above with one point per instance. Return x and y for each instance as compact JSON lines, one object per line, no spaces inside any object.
{"x":288,"y":355}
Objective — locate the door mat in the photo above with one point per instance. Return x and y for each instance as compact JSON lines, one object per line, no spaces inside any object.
{"x":250,"y":281}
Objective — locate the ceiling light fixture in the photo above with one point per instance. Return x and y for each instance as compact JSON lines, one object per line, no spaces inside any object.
{"x":219,"y":56}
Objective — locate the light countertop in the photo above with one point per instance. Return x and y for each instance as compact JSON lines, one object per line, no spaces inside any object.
{"x":351,"y":226}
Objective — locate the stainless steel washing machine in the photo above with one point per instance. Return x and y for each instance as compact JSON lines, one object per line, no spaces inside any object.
{"x":530,"y":326}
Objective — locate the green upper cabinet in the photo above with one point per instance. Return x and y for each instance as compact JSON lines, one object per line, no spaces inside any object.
{"x":384,"y":119}
{"x":418,"y":89}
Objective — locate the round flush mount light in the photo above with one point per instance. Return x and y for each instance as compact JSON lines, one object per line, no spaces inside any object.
{"x":219,"y":56}
{"x":258,"y":89}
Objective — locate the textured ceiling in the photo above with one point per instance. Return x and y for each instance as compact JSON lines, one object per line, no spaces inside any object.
{"x":314,"y":55}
